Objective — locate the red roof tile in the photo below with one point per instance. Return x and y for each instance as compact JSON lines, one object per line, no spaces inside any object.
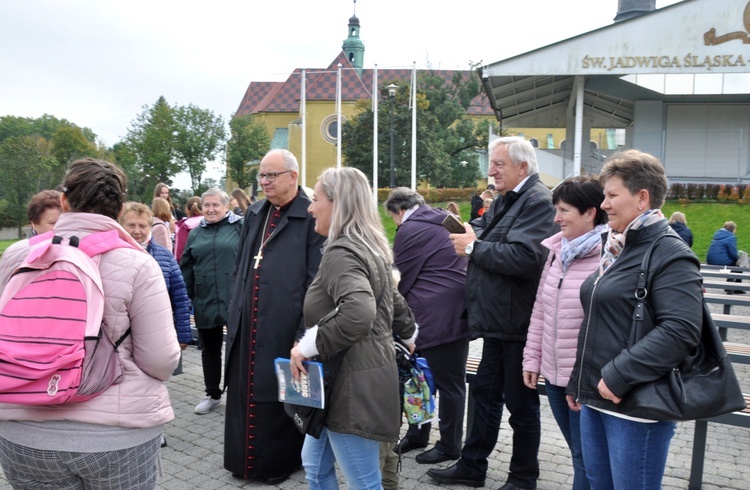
{"x":321,"y":85}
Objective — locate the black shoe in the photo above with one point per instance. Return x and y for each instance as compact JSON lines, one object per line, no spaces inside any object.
{"x":434,"y":456}
{"x":406,"y":445}
{"x":275,"y":480}
{"x":739,"y":292}
{"x":453,"y":475}
{"x":510,"y":486}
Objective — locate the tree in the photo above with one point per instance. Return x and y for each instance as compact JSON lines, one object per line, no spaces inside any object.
{"x":44,"y":126}
{"x":69,"y":144}
{"x":24,"y":162}
{"x":446,"y":136}
{"x":127,"y":161}
{"x":199,"y":137}
{"x":249,"y":142}
{"x":151,"y":145}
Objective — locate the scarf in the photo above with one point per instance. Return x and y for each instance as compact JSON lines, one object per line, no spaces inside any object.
{"x":233,"y":218}
{"x":616,"y":241}
{"x":580,"y":247}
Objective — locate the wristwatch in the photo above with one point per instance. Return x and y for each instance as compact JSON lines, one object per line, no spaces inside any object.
{"x":469,"y":248}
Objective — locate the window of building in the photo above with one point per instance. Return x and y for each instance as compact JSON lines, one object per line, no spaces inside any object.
{"x":329,"y":128}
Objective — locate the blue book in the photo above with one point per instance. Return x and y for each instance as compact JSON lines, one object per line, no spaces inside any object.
{"x":307,"y":390}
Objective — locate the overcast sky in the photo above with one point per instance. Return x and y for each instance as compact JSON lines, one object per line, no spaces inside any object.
{"x":98,"y":62}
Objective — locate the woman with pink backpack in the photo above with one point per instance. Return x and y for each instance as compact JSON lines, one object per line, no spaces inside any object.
{"x":112,"y":439}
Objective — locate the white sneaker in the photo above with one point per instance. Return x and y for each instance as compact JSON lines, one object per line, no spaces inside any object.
{"x":206,"y":405}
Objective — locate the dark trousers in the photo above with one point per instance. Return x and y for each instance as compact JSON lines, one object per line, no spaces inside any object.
{"x":212,"y":340}
{"x":448,"y":365}
{"x":499,"y":382}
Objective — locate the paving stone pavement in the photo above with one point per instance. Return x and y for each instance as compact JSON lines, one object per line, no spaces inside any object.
{"x":194,"y":456}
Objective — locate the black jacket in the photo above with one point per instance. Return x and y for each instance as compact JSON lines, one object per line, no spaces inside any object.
{"x":610,"y":344}
{"x":506,"y":263}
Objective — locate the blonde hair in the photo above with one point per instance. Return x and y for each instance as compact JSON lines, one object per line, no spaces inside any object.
{"x":194,"y":207}
{"x":161,"y":209}
{"x":677,"y":217}
{"x":354,"y":214}
{"x":137,"y":208}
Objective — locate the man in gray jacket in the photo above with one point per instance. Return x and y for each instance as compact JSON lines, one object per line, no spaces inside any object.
{"x":505,"y":262}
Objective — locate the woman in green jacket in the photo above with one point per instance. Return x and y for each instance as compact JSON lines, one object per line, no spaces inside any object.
{"x":207,"y":264}
{"x":352,"y":306}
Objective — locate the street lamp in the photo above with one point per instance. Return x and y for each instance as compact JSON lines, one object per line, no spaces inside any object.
{"x":392,"y":95}
{"x":463,"y":173}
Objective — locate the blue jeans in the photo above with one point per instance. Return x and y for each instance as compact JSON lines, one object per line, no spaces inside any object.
{"x":569,"y":422}
{"x":358,"y":458}
{"x":622,"y":454}
{"x":499,"y":382}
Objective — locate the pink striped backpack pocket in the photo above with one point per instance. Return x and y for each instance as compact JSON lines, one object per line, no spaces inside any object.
{"x":52,"y":346}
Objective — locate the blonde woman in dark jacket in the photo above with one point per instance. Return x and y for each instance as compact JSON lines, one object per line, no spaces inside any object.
{"x":351,"y":304}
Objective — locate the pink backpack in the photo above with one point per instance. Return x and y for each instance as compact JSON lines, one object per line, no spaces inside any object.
{"x":52,"y":345}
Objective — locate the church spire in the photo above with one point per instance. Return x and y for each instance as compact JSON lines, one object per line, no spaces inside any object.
{"x":353,"y":46}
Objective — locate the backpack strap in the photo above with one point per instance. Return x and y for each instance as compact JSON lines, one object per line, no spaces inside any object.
{"x":122,"y":338}
{"x":101,"y":242}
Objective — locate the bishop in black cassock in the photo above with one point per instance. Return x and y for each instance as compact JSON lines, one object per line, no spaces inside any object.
{"x":279,"y":257}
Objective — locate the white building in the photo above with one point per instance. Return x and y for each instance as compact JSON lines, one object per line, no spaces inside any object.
{"x":675,"y":81}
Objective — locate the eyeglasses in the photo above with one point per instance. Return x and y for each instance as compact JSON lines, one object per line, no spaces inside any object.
{"x":271,"y":176}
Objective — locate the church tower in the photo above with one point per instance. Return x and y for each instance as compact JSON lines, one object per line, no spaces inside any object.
{"x":353,"y":46}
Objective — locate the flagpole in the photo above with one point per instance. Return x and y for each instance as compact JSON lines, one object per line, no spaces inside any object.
{"x":303,"y":113}
{"x":375,"y":98}
{"x":338,"y":117}
{"x":414,"y":128}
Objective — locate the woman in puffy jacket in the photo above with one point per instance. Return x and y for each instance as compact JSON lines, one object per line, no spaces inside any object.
{"x":723,"y":247}
{"x":111,"y":440}
{"x":553,"y":332}
{"x":183,"y":226}
{"x":137,"y":220}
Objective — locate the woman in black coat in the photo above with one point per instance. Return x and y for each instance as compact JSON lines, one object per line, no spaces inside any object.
{"x":615,"y":353}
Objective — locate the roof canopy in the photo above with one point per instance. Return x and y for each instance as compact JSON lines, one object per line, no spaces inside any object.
{"x":695,"y":50}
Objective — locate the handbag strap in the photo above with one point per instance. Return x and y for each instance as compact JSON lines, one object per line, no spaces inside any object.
{"x":641,"y":289}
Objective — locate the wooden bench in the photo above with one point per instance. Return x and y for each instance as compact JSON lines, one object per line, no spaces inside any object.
{"x":731,"y":286}
{"x":738,"y":353}
{"x":700,"y":436}
{"x":734,"y":268}
{"x":728,"y":300}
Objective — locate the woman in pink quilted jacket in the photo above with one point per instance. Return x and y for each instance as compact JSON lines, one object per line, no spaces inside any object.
{"x":113,"y":439}
{"x":553,"y":333}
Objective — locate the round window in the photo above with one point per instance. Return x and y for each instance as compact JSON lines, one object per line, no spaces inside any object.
{"x":329,"y":128}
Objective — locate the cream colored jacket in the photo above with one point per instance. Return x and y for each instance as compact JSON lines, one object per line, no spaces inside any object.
{"x":136,"y":297}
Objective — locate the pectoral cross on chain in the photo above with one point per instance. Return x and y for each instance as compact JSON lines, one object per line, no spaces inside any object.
{"x":258,"y":258}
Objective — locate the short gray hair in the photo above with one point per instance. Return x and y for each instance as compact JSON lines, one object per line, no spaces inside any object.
{"x":215,"y":191}
{"x":402,"y":199}
{"x":519,"y":150}
{"x":290,"y":161}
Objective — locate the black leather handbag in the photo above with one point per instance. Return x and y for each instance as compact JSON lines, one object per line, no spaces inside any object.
{"x":704,"y":385}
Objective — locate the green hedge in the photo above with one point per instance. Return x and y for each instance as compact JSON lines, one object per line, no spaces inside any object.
{"x":433,"y":195}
